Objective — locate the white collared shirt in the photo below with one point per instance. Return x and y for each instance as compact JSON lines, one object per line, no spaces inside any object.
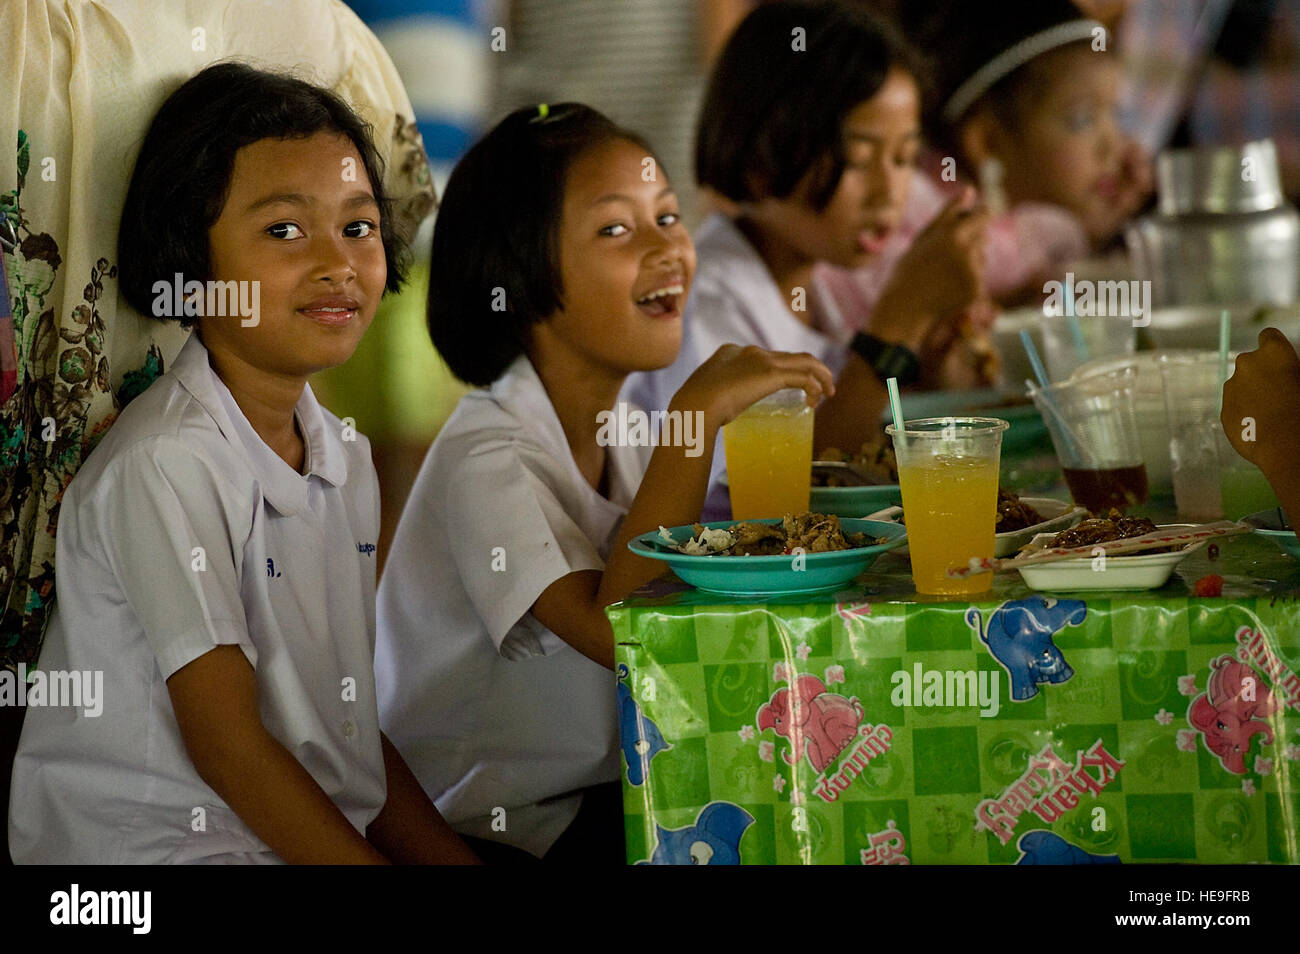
{"x":735,"y":300}
{"x":490,"y":709}
{"x":184,"y":531}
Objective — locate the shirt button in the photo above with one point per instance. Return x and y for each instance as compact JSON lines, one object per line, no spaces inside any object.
{"x":348,"y":728}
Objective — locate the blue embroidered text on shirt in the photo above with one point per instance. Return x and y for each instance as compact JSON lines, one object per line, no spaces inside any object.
{"x":367,"y":548}
{"x":270,"y":568}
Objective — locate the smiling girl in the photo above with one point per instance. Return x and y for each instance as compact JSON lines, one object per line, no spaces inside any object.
{"x":559,"y":266}
{"x":215,"y":550}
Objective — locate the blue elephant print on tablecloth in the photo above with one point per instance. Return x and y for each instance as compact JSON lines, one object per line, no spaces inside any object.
{"x":1019,"y":636}
{"x":1045,"y":848}
{"x":714,"y":839}
{"x":640,"y":737}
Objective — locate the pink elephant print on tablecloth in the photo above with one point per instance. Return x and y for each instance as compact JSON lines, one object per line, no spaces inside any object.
{"x":819,"y":724}
{"x":1227,"y":714}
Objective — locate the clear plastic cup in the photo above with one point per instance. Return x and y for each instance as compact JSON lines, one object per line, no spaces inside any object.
{"x":769,"y":456}
{"x":1069,"y":343}
{"x":1204,"y":465}
{"x":1093,"y":424}
{"x":948,"y":477}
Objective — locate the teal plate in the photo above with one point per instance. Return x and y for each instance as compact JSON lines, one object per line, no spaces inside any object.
{"x":1267,"y":526}
{"x":763,"y":576}
{"x":854,"y":501}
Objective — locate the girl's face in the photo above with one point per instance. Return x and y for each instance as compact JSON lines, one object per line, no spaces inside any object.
{"x":626,"y":263}
{"x":301,"y":220}
{"x":1067,"y":148}
{"x":882,"y":138}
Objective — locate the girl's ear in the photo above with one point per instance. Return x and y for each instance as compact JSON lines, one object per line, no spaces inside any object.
{"x":981,"y":138}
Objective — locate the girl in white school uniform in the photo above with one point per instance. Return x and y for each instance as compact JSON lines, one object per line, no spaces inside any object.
{"x":559,"y":266}
{"x":808,"y":138}
{"x":215,"y":552}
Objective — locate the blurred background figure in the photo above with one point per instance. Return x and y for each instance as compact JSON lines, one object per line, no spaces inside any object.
{"x":1213,"y":72}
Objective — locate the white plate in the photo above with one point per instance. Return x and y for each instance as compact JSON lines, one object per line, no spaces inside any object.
{"x":1060,"y":516}
{"x":1143,"y":571}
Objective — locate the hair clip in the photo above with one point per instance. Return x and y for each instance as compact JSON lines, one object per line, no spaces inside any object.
{"x":546,"y":115}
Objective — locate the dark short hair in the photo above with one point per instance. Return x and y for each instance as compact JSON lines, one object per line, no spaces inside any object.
{"x":495,"y":263}
{"x":777,"y":100}
{"x":963,"y":40}
{"x":182,"y":175}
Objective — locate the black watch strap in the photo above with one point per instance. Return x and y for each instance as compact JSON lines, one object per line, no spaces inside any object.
{"x":886,"y":359}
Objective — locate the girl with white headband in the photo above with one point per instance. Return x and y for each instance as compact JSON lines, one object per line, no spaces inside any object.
{"x":1027,"y":92}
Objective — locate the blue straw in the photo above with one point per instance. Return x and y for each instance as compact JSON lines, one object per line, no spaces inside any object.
{"x":1072,"y":448}
{"x":1034,"y":360}
{"x":1072,"y":320}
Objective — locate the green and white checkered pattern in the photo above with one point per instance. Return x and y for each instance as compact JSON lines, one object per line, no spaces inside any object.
{"x":701,"y":671}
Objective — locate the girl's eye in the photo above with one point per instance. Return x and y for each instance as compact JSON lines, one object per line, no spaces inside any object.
{"x":1079,"y":120}
{"x":284,"y":230}
{"x":669,"y":218}
{"x":613,"y":230}
{"x":360,"y":229}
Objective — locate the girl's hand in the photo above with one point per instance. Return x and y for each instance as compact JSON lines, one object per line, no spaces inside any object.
{"x":1266,"y":389}
{"x":939,"y":277}
{"x":735,"y":377}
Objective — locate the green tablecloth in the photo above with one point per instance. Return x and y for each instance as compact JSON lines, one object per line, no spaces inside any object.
{"x":900,"y":760}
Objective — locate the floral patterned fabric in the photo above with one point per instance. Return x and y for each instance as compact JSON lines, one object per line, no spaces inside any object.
{"x":82,"y":81}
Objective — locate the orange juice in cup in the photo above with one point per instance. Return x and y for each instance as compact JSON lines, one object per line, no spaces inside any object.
{"x":769,"y":457}
{"x":948,"y":478}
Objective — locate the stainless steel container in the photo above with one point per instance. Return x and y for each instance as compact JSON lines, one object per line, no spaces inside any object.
{"x":1224,"y":234}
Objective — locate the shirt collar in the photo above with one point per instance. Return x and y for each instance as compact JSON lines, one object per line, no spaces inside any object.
{"x":282,"y":487}
{"x":521,"y":392}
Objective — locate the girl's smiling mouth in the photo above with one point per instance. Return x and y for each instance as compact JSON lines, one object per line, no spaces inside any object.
{"x":662,"y":302}
{"x":333,"y":310}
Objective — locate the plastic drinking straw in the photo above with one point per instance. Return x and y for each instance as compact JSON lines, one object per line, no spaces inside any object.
{"x":1072,"y":320}
{"x":896,"y":405}
{"x":1040,"y":372}
{"x":1225,"y":321}
{"x":1034,"y":360}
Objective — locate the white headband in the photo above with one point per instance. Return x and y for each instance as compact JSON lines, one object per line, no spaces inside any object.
{"x":1013,"y":58}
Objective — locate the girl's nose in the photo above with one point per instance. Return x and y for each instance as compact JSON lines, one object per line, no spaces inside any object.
{"x":333,"y":261}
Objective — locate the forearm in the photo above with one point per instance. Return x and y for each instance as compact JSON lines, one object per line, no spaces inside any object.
{"x":672,"y":493}
{"x":280,"y":801}
{"x":851,"y":417}
{"x":409,"y":830}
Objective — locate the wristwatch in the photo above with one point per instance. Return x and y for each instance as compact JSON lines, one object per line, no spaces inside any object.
{"x":886,"y":359}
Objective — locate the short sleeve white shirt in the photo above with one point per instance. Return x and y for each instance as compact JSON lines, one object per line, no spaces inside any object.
{"x":184,"y":531}
{"x":490,"y":709}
